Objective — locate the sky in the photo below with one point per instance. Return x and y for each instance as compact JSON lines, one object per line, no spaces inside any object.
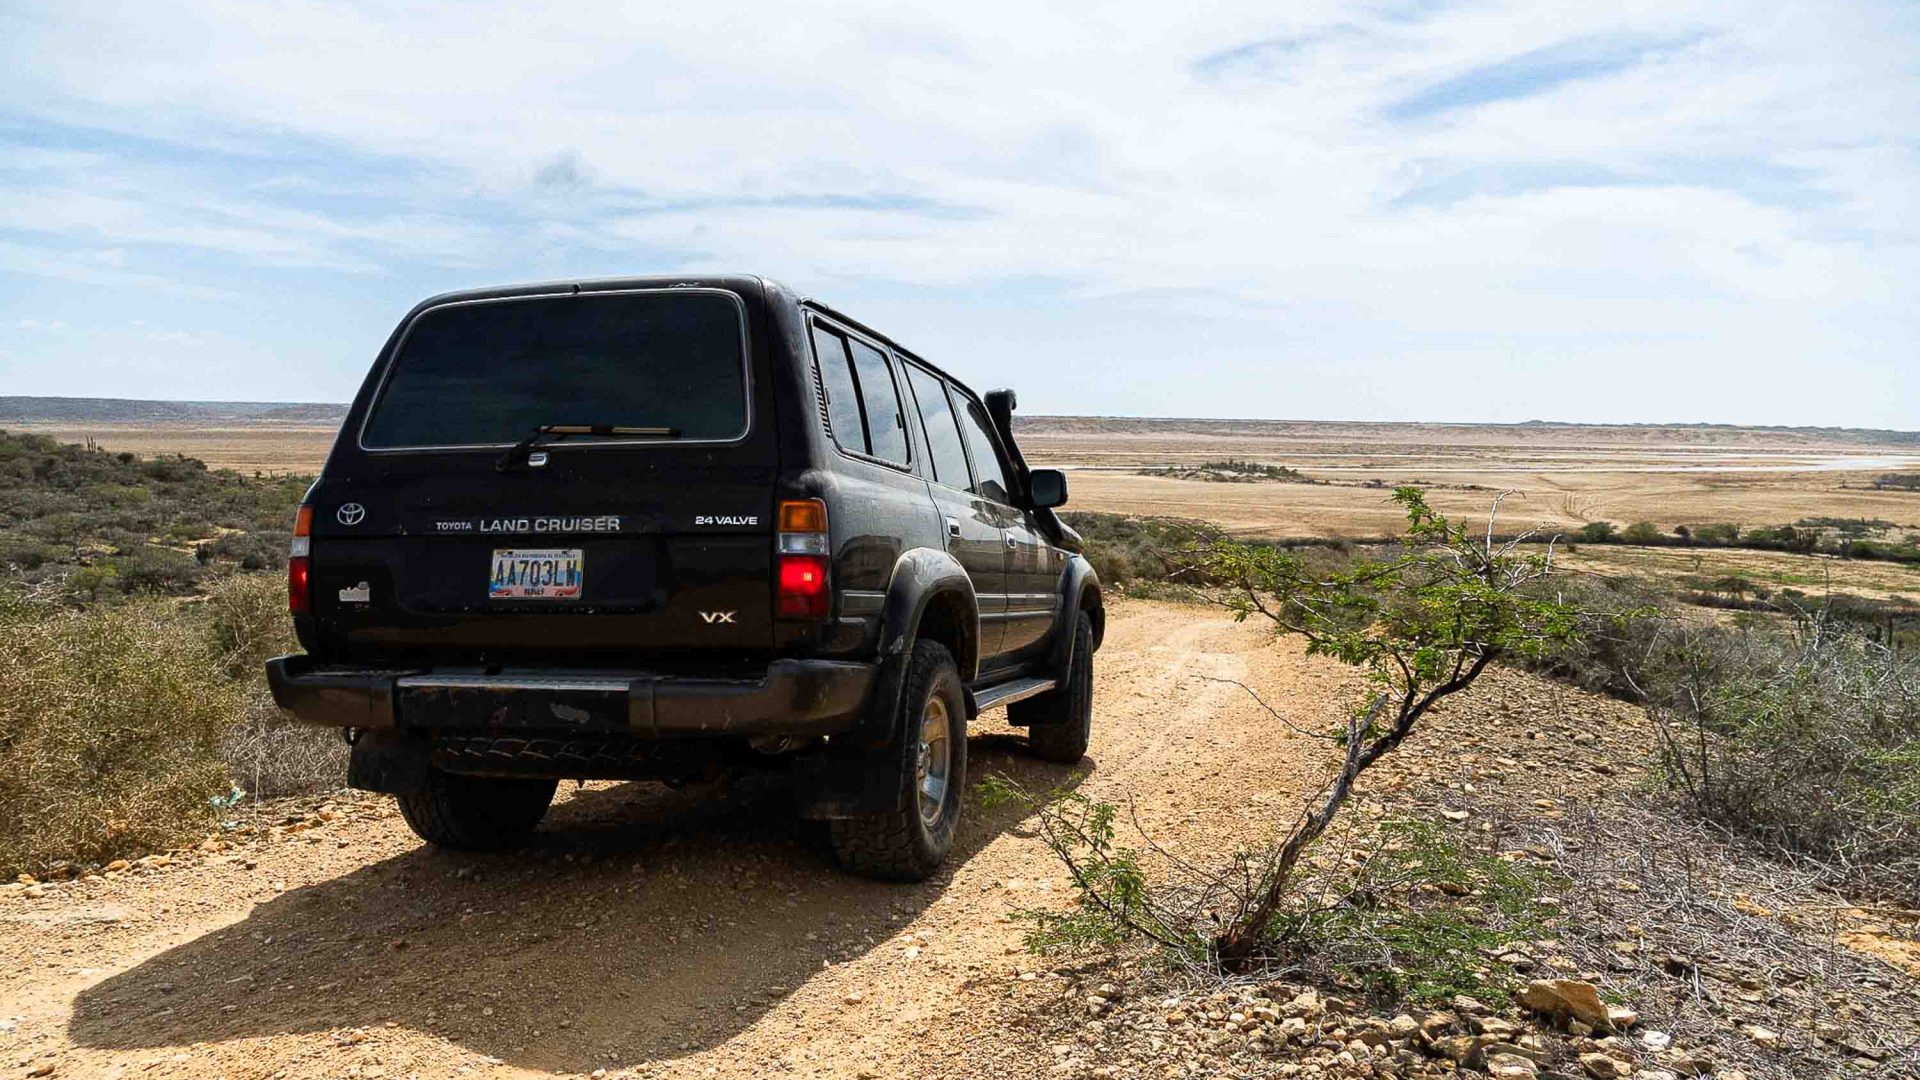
{"x":1325,"y":209}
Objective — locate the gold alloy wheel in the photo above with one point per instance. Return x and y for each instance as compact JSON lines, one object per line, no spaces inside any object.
{"x":934,"y":764}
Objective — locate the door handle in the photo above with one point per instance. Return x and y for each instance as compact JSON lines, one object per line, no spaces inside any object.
{"x":953,"y":528}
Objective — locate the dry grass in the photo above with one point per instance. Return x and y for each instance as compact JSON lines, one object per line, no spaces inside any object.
{"x":111,"y":724}
{"x":267,"y":754}
{"x":120,"y":724}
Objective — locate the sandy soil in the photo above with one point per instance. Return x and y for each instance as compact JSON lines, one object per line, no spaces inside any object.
{"x":683,"y":932}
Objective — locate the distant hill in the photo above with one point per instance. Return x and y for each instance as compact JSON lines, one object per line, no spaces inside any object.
{"x":131,"y":411}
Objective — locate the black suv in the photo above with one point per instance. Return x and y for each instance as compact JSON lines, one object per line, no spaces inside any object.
{"x":672,"y":528}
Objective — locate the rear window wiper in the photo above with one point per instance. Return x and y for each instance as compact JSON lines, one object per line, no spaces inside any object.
{"x":555,"y":432}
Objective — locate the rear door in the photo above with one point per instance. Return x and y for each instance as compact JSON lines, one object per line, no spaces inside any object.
{"x":974,"y":527}
{"x":651,"y":539}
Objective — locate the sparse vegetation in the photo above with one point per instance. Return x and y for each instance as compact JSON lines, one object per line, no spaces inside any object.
{"x":1417,"y":918}
{"x":1422,"y":621}
{"x":112,"y":722}
{"x":1844,"y":538}
{"x":1804,"y":735}
{"x":133,"y":642}
{"x":112,"y":524}
{"x":1796,"y":723}
{"x":1234,"y":471}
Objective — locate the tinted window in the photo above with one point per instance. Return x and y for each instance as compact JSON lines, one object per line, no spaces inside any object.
{"x":492,"y":372}
{"x":886,"y":428}
{"x":843,"y":401}
{"x":943,"y":434}
{"x":990,"y":479}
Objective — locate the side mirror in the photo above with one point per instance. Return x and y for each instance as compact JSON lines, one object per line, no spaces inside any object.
{"x":1047,"y":488}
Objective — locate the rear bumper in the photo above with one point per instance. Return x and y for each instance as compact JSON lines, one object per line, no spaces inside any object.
{"x":791,"y":697}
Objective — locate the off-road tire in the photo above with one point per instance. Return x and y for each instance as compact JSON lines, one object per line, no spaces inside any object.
{"x":1060,"y":721}
{"x":898,"y":845}
{"x":476,"y":813}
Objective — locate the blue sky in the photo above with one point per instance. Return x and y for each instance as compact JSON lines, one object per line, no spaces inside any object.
{"x":1675,"y":211}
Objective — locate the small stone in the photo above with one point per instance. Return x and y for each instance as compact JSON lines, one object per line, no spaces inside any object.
{"x":1602,"y":1067}
{"x":1568,"y":997}
{"x":1763,"y":1036}
{"x":1467,"y":1006}
{"x":855,"y":997}
{"x":1494,"y":1028}
{"x":117,"y":865}
{"x":1511,"y":1067}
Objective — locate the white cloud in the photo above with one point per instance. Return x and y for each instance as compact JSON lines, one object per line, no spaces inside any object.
{"x":1747,"y":187}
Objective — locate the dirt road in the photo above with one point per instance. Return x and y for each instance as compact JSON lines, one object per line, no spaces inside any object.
{"x":661,"y":933}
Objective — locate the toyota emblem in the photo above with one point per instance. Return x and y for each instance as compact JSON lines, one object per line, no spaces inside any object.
{"x":351,"y":513}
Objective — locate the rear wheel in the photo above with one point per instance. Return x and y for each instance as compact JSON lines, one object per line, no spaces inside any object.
{"x":476,"y":813}
{"x":1060,"y":721}
{"x":909,"y":842}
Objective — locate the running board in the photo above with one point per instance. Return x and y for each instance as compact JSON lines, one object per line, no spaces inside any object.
{"x":1007,"y":693}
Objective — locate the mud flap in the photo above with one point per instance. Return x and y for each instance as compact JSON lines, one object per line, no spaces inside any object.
{"x":859,"y":771}
{"x":388,"y":762}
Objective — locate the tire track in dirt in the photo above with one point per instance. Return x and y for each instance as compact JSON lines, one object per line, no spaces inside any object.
{"x":666,"y":933}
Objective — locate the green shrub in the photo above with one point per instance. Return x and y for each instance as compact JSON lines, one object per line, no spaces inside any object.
{"x":1420,"y":919}
{"x":1716,"y":534}
{"x":156,"y":570}
{"x":1642,"y":532}
{"x":111,"y":725}
{"x":1128,"y":551}
{"x":1595,"y":532}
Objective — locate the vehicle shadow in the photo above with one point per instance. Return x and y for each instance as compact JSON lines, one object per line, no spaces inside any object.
{"x":641,"y":923}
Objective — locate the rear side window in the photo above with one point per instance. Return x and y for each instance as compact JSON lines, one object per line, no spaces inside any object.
{"x":886,"y":428}
{"x":488,"y":373}
{"x":843,"y":399}
{"x":990,"y":480}
{"x":943,"y":433}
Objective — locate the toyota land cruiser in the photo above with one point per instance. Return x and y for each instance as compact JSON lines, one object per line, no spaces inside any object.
{"x":671,"y":528}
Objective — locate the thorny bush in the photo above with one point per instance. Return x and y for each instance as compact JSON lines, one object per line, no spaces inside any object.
{"x":1421,"y":621}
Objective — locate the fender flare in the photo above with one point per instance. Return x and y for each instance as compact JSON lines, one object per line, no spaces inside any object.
{"x":919,"y":577}
{"x":1080,"y":588}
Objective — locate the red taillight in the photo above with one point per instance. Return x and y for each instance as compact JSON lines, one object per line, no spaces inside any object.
{"x":299,"y":594}
{"x":802,"y":550}
{"x":803,"y":585}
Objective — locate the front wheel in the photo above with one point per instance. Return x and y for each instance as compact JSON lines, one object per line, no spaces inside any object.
{"x":476,"y":813}
{"x":909,"y":842}
{"x":1060,"y":722}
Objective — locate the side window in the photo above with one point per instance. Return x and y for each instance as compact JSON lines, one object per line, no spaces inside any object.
{"x":886,"y":428}
{"x":943,"y":434}
{"x":843,"y":400}
{"x":990,"y":479}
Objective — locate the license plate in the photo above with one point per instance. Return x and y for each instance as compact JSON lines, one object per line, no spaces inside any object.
{"x":536,"y":574}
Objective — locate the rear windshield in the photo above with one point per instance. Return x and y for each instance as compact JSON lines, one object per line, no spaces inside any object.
{"x":491,"y":372}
